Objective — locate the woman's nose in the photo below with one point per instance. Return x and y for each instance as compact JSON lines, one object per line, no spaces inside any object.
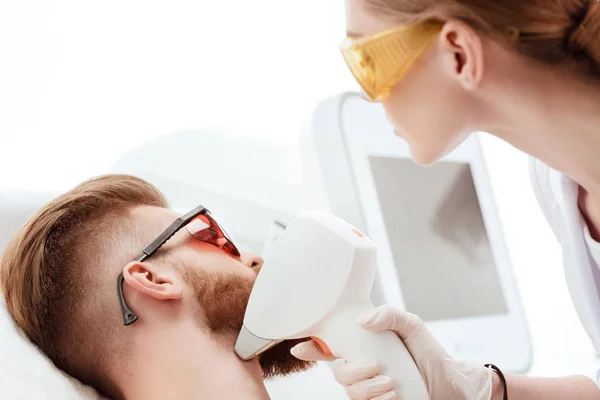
{"x":253,"y":261}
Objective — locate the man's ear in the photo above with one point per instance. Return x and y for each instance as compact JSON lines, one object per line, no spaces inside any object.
{"x":463,"y":50}
{"x":148,"y":280}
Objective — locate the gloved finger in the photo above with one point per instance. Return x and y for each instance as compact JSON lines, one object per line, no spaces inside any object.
{"x":309,"y":351}
{"x":350,"y":373}
{"x":387,"y":317}
{"x":421,"y":343}
{"x":387,"y":396}
{"x":370,"y":388}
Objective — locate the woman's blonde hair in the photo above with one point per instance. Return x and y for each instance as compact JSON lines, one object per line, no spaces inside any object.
{"x":551,"y":31}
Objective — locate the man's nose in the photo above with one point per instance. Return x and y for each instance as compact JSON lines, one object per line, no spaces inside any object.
{"x":253,"y":261}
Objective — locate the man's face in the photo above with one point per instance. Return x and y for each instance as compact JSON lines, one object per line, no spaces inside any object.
{"x":221,"y":285}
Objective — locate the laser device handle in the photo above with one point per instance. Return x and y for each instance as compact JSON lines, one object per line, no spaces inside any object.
{"x":347,"y":340}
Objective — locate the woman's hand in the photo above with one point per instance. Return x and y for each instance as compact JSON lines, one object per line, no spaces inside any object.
{"x":445,"y":378}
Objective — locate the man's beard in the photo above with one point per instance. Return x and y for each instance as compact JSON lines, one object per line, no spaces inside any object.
{"x":223,"y":299}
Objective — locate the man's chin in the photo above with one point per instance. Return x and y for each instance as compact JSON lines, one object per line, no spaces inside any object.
{"x":224,"y":299}
{"x":278,"y":361}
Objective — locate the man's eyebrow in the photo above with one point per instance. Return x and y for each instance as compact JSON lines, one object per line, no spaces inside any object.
{"x":353,"y":35}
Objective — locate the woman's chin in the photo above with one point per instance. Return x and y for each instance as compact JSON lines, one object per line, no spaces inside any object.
{"x":423,"y":158}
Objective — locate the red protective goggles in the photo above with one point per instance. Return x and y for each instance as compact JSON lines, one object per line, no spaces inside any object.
{"x":202,"y":226}
{"x":206,"y":229}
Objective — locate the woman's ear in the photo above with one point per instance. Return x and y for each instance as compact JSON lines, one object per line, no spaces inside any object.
{"x":463,"y":53}
{"x":146,"y":279}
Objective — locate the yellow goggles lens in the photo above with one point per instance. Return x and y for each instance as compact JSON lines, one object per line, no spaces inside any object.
{"x":379,"y":61}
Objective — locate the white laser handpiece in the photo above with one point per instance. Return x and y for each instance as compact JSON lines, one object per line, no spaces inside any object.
{"x":315,"y":283}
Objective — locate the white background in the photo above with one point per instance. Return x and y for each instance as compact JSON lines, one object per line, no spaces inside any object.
{"x":82,"y":82}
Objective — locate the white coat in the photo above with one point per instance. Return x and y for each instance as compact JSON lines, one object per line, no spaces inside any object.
{"x":557,"y":196}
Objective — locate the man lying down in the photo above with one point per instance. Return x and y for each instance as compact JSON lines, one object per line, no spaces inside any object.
{"x":96,"y":283}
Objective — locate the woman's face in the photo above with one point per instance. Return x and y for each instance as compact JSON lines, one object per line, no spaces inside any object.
{"x":429,"y":107}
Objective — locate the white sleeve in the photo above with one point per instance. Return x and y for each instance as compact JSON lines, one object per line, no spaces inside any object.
{"x":539,"y":175}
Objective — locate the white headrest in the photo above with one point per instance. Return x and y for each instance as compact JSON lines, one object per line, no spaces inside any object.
{"x":25,"y":373}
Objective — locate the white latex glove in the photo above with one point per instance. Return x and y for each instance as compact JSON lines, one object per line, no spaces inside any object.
{"x":446,"y":378}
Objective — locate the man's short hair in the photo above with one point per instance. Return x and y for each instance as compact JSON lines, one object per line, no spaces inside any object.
{"x":55,"y":277}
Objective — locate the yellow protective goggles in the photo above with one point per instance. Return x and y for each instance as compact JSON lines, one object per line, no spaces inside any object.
{"x":379,"y":61}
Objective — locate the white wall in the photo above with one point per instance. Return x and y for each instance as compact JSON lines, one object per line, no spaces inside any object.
{"x":82,"y":81}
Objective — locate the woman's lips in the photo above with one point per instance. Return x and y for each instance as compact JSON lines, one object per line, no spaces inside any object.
{"x":400,"y":134}
{"x":397,"y":131}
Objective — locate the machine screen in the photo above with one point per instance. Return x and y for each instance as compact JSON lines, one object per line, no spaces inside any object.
{"x":438,"y":239}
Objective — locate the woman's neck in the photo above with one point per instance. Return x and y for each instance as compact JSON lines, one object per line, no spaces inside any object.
{"x":557,"y":120}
